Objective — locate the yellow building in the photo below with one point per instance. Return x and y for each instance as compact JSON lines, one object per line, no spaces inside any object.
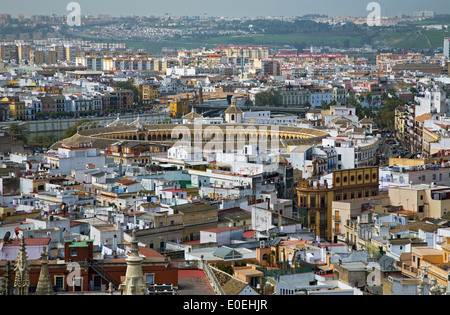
{"x":433,"y":261}
{"x":197,"y":216}
{"x":317,"y":199}
{"x":16,"y":108}
{"x":148,"y":93}
{"x":5,"y":212}
{"x":428,"y":138}
{"x":179,"y":107}
{"x":423,"y":200}
{"x":400,"y":123}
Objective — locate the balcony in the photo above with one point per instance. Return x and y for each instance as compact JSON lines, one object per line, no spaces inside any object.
{"x":407,"y":270}
{"x":336,"y":218}
{"x":337,"y":232}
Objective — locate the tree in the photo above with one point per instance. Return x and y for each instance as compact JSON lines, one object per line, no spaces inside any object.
{"x":128,"y":85}
{"x":325,"y":105}
{"x":271,"y":97}
{"x":248,"y":103}
{"x":16,"y":132}
{"x":386,"y":116}
{"x":43,"y":141}
{"x":71,"y":131}
{"x":226,"y":268}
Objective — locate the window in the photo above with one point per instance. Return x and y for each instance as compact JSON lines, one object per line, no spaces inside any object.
{"x":150,"y":278}
{"x":97,"y":283}
{"x":77,"y":284}
{"x":59,"y":283}
{"x":74,"y":252}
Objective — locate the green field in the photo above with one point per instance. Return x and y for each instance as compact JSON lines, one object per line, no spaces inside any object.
{"x":416,"y":39}
{"x":302,"y":35}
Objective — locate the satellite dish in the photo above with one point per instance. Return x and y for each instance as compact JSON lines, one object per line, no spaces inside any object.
{"x":7,"y":237}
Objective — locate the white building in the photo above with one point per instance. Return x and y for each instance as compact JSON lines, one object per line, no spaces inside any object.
{"x":431,"y":102}
{"x":34,"y":248}
{"x":108,"y":235}
{"x":221,"y":236}
{"x":185,"y":153}
{"x":395,"y":176}
{"x":68,"y":159}
{"x":447,"y":47}
{"x":265,"y":118}
{"x":81,"y":103}
{"x":313,"y":160}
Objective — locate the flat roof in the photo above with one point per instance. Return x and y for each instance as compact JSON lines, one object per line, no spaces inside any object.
{"x":424,"y":251}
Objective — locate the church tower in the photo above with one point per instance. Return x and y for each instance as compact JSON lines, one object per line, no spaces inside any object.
{"x":233,"y":114}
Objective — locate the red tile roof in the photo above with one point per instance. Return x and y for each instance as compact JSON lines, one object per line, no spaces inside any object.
{"x":127,"y":182}
{"x":222,"y":229}
{"x":191,"y":273}
{"x":28,"y":242}
{"x":249,"y":233}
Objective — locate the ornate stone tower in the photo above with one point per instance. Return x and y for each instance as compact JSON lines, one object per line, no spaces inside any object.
{"x":44,"y":286}
{"x":134,"y":279}
{"x":22,"y":270}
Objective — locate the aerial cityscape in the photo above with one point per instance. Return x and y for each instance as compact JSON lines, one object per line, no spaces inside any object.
{"x":282,"y":150}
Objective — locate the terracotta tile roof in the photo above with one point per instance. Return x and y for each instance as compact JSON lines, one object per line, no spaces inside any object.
{"x":416,"y":226}
{"x":127,"y":182}
{"x":423,"y":117}
{"x":28,"y":242}
{"x":222,"y":229}
{"x":229,"y":284}
{"x":148,"y":252}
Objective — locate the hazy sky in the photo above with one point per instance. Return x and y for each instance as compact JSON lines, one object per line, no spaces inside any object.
{"x":222,"y":7}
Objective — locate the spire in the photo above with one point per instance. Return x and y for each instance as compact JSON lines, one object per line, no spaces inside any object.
{"x":44,"y":286}
{"x":6,"y":287}
{"x":22,"y":270}
{"x":110,"y":290}
{"x":134,"y":279}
